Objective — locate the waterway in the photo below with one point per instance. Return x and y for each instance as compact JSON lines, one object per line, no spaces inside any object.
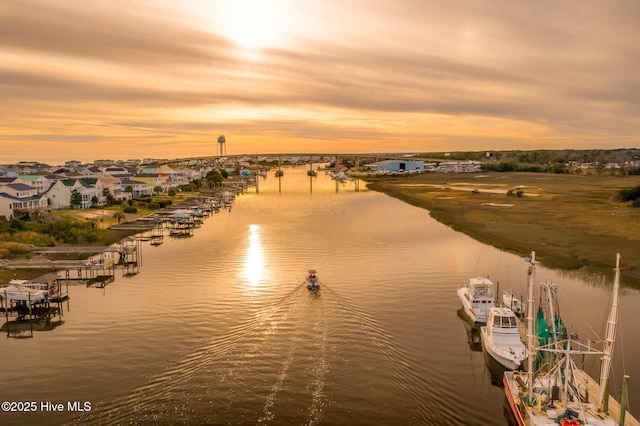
{"x":218,"y":328}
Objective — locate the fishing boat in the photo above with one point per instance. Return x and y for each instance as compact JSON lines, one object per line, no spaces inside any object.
{"x":513,"y":303}
{"x":312,"y":280}
{"x":554,"y":390}
{"x":501,"y":338}
{"x":477,"y":298}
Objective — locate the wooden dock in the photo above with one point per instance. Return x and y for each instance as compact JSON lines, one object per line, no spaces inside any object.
{"x":614,"y":406}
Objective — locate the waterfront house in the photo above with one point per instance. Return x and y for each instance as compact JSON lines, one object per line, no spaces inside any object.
{"x":139,"y":188}
{"x":59,"y":193}
{"x":40,"y":182}
{"x":22,"y":197}
{"x":154,"y":179}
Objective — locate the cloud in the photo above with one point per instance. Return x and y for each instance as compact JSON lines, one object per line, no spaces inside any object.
{"x":459,"y":73}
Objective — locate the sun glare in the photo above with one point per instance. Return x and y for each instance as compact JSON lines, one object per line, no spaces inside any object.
{"x":252,"y":24}
{"x":254,"y":261}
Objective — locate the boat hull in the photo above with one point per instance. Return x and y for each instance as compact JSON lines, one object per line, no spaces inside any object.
{"x":480,"y":316}
{"x":509,"y":392}
{"x":508,"y":362}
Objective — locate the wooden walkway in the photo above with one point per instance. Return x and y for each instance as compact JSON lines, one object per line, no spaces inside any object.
{"x":614,"y":406}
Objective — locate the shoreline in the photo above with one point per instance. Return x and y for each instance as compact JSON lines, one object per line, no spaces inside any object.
{"x":571,"y":221}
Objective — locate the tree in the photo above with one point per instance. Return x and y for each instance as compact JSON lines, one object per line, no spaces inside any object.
{"x":76,"y":199}
{"x":106,"y":192}
{"x":157,"y":189}
{"x":213,"y":178}
{"x":119,"y":216}
{"x":94,"y":200}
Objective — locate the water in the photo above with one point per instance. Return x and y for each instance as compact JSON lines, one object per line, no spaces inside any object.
{"x":219,"y":329}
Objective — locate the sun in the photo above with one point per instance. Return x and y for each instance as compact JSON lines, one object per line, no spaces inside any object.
{"x":252,"y":24}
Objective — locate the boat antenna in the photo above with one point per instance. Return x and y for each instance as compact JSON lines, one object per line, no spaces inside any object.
{"x":610,"y":336}
{"x":530,"y":347}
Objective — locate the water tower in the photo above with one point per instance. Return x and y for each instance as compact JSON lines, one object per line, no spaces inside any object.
{"x":222,"y":146}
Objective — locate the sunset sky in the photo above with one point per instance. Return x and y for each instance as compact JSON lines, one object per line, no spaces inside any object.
{"x":124,"y":79}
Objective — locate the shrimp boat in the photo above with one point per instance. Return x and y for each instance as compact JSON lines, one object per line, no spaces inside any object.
{"x":501,"y":338}
{"x":477,"y":298}
{"x":312,"y":280}
{"x":554,"y":390}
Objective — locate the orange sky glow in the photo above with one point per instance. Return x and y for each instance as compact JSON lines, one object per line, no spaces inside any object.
{"x":131,"y":79}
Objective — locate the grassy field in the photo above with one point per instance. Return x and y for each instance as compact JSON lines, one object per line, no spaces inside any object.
{"x":571,"y":221}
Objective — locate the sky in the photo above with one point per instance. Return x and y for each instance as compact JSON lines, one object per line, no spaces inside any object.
{"x":132,"y":79}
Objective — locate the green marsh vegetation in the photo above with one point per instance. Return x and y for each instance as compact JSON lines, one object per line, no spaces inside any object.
{"x":573,"y":222}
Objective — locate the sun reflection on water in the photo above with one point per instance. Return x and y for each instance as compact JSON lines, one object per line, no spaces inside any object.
{"x":254,"y":261}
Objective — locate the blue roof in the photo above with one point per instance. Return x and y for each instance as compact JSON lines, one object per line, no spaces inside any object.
{"x":21,"y":187}
{"x":31,"y":198}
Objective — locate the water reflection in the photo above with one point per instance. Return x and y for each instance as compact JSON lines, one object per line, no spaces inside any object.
{"x":473,"y":331}
{"x":254,"y":261}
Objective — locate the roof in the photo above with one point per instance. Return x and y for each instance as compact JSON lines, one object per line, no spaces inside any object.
{"x":29,"y":178}
{"x":30,"y":198}
{"x":21,"y":187}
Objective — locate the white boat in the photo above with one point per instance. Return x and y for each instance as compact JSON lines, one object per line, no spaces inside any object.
{"x":554,"y":390}
{"x":20,"y":291}
{"x":477,"y":298}
{"x":501,"y":338}
{"x":312,"y":280}
{"x":512,"y":302}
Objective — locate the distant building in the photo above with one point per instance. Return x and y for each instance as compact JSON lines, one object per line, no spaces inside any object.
{"x":398,"y":166}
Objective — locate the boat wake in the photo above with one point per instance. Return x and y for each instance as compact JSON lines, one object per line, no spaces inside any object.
{"x":289,"y":363}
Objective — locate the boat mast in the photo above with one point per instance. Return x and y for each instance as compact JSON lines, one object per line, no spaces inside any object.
{"x":530,"y":347}
{"x":610,"y":336}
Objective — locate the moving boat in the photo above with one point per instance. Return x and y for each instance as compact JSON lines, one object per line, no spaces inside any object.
{"x":312,"y":280}
{"x":554,"y":390}
{"x":477,"y":298}
{"x":501,"y":338}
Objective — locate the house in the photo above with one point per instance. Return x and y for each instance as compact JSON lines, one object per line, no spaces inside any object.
{"x":154,"y":179}
{"x":59,"y":193}
{"x":138,"y":188}
{"x":20,"y":196}
{"x":114,"y":185}
{"x":40,"y":182}
{"x":72,"y":164}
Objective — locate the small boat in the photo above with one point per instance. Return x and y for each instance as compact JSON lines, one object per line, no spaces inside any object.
{"x":501,"y":338}
{"x":24,"y":294}
{"x":477,"y":298}
{"x":311,"y":172}
{"x":512,"y":302}
{"x":554,"y":390}
{"x":279,"y":173}
{"x":312,"y":280}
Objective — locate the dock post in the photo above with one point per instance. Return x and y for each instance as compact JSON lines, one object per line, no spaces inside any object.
{"x":623,"y":399}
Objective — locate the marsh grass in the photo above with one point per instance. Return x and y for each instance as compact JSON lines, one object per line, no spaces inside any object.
{"x":572,"y":222}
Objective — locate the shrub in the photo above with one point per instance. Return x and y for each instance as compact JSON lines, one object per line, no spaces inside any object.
{"x":629,"y":194}
{"x":130,"y":209}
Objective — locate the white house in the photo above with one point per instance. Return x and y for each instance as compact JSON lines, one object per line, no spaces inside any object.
{"x":60,"y":193}
{"x":20,"y":196}
{"x":139,"y":188}
{"x":40,"y":182}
